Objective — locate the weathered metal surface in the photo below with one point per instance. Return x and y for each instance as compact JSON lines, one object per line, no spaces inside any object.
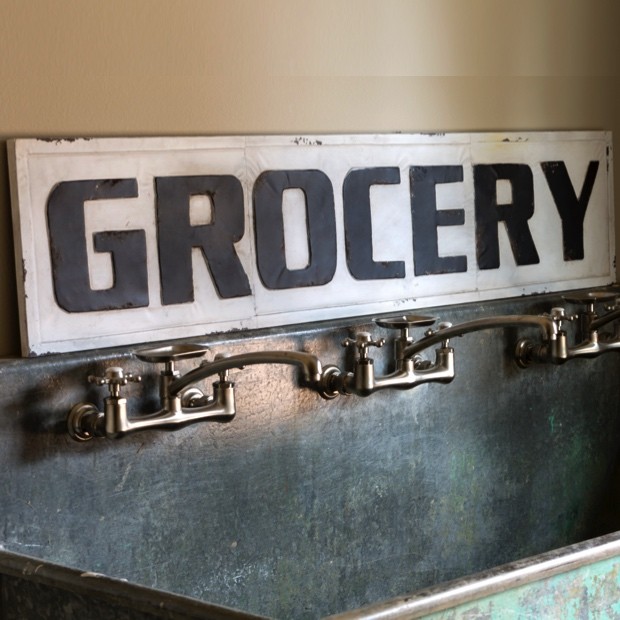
{"x":590,"y":592}
{"x":32,"y":589}
{"x":581,"y":578}
{"x":303,"y":507}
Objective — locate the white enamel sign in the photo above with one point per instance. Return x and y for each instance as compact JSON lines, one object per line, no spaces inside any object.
{"x":121,"y":241}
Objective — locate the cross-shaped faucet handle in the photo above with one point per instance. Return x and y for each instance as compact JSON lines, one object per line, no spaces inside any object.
{"x":362,"y":341}
{"x":114,"y":377}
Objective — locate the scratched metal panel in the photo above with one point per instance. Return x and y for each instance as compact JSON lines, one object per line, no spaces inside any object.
{"x":301,"y":507}
{"x":23,"y":599}
{"x":32,"y":589}
{"x":579,"y":580}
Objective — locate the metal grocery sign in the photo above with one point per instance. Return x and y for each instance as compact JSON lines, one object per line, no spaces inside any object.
{"x":126,"y":240}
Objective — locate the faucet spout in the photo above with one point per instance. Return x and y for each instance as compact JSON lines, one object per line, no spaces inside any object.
{"x":548,"y":325}
{"x":309,"y":365}
{"x":601,"y":321}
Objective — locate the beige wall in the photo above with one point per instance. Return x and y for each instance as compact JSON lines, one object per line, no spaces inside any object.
{"x":182,"y":67}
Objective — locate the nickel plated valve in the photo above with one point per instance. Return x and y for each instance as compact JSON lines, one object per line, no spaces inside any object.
{"x":362,"y":341}
{"x":404,"y":323}
{"x":558,"y":315}
{"x":589,"y":319}
{"x":408,"y":372}
{"x":591,"y":343}
{"x":86,"y":421}
{"x":114,"y":377}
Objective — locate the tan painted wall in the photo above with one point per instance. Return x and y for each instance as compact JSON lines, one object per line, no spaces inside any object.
{"x":195,"y":67}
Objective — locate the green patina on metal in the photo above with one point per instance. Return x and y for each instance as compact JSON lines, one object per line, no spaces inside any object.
{"x":588,"y":592}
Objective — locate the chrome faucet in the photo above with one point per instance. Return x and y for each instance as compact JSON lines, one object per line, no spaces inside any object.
{"x":409,"y":370}
{"x":309,"y":365}
{"x":591,"y":341}
{"x":551,"y":349}
{"x":182,"y":402}
{"x":86,"y":421}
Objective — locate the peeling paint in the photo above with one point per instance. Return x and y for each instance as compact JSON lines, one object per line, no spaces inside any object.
{"x":303,"y":141}
{"x":588,"y":592}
